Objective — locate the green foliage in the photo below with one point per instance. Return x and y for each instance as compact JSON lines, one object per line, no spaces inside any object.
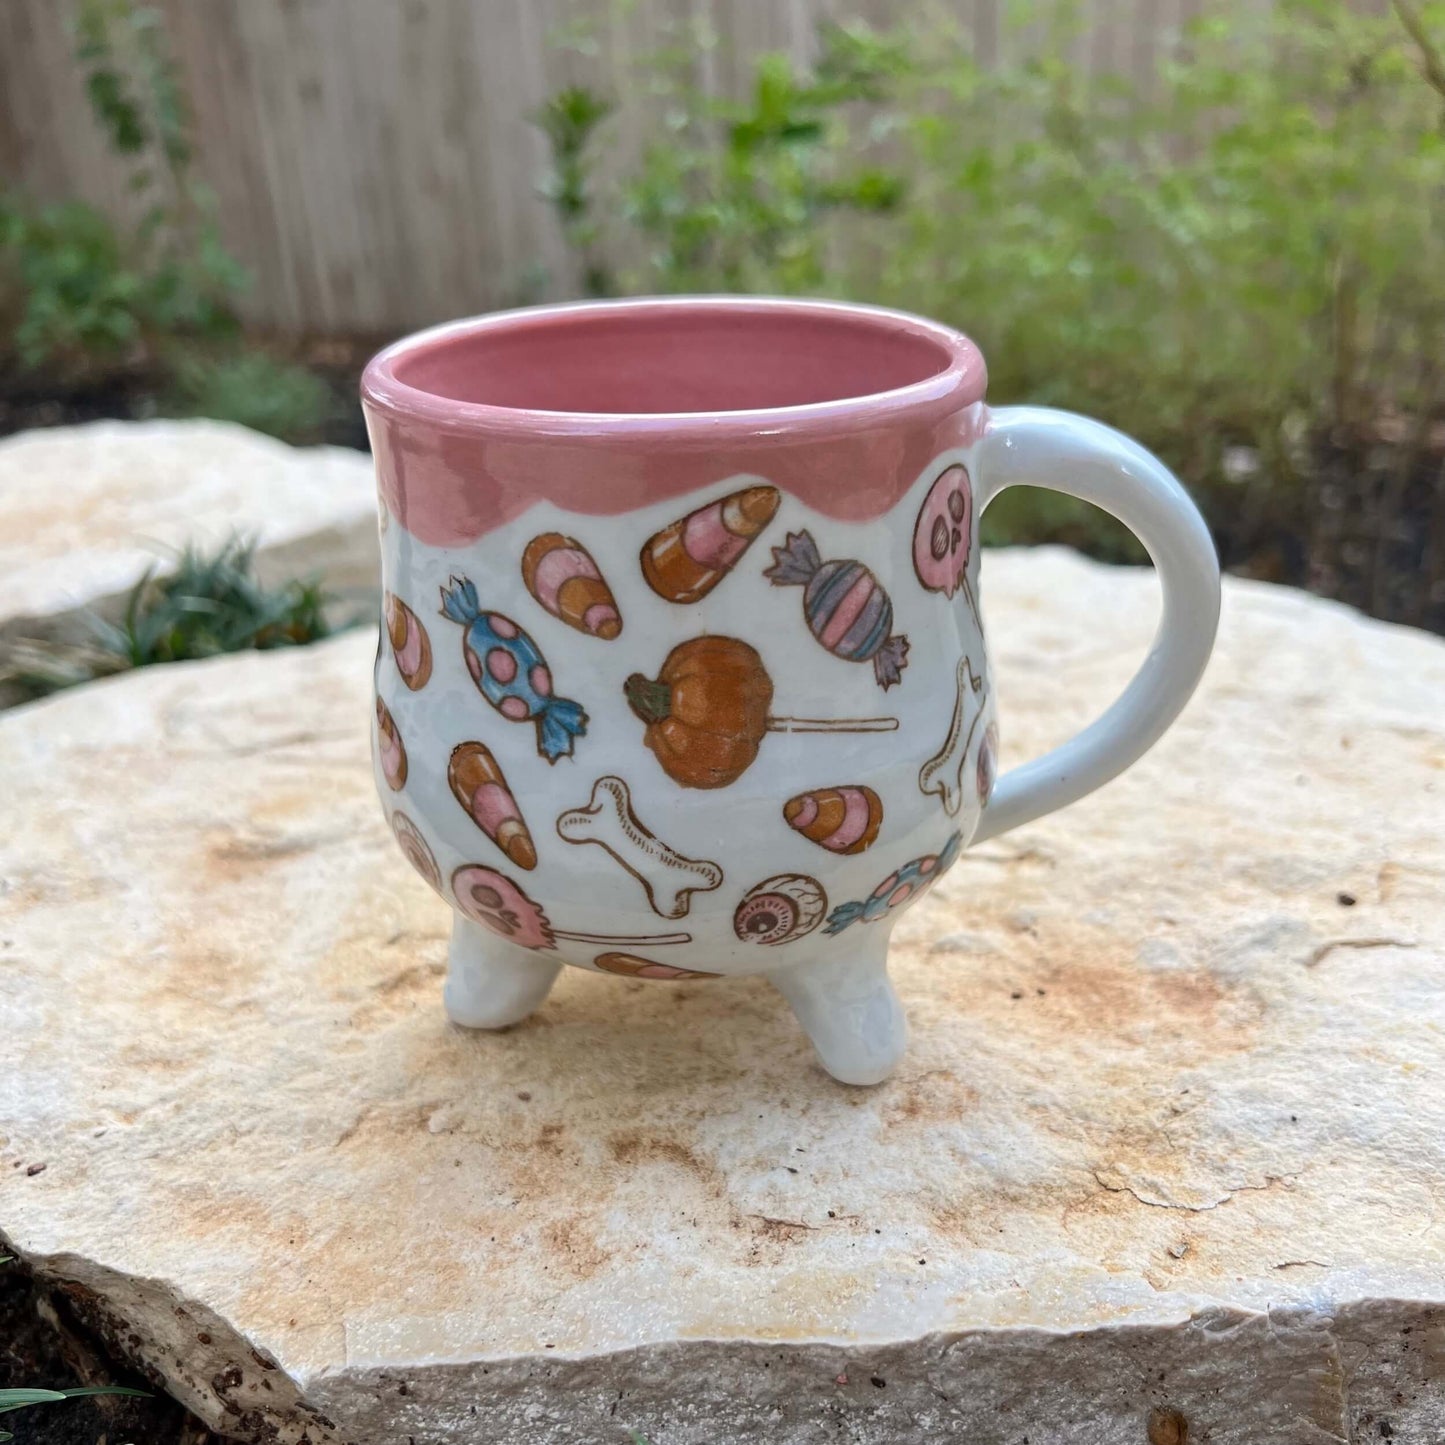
{"x":20,"y":1399}
{"x":1248,"y":252}
{"x":569,"y":120}
{"x":253,"y":389}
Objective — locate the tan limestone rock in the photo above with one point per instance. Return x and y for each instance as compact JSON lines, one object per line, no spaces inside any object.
{"x":1170,"y":1134}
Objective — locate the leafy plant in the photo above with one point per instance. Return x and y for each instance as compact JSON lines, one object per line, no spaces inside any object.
{"x":569,"y":120}
{"x":253,"y":389}
{"x":20,"y":1399}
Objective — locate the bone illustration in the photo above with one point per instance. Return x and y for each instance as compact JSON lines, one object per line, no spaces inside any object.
{"x":943,"y":773}
{"x":409,"y":643}
{"x":780,"y":909}
{"x":478,"y":784}
{"x":688,"y":558}
{"x":560,"y":573}
{"x":842,"y":820}
{"x":668,"y":879}
{"x":629,"y":965}
{"x":493,"y":900}
{"x":390,"y":750}
{"x":417,"y":849}
{"x":844,"y":605}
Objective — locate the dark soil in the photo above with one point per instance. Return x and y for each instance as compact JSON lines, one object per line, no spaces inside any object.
{"x":43,"y":1347}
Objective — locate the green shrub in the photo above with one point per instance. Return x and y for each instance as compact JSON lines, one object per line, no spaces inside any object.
{"x":254,"y":389}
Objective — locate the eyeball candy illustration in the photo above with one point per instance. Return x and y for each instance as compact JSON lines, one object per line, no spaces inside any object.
{"x":390,"y":750}
{"x":418,"y":852}
{"x":511,"y":673}
{"x":899,"y":889}
{"x":559,"y":572}
{"x":844,"y":604}
{"x":687,"y":559}
{"x":780,"y":909}
{"x":409,"y":643}
{"x":842,"y":820}
{"x":478,"y":784}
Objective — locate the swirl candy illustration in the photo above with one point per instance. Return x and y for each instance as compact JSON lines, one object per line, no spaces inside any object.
{"x":409,"y":643}
{"x":630,"y":966}
{"x":493,"y":900}
{"x":390,"y":750}
{"x":511,"y":673}
{"x":688,"y":558}
{"x":478,"y":785}
{"x":844,"y":604}
{"x":898,"y":889}
{"x":781,"y":909}
{"x":707,"y":712}
{"x":943,"y":536}
{"x":560,"y":573}
{"x":418,"y":852}
{"x":943,"y":772}
{"x":668,"y":879}
{"x":842,"y":820}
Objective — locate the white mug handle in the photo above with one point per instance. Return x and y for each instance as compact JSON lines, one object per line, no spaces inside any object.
{"x":1037,"y":446}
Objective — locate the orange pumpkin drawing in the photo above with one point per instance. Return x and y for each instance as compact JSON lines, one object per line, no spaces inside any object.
{"x":706,"y":712}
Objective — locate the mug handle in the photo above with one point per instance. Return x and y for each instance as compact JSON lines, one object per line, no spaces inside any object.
{"x":1037,"y":446}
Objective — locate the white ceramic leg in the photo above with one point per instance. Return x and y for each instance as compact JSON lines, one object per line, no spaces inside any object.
{"x":847,"y":1007}
{"x":492,"y":983}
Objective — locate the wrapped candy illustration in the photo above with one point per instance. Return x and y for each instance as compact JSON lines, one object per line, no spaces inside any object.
{"x":687,"y":559}
{"x":842,"y":820}
{"x":943,"y":536}
{"x":668,"y":878}
{"x":511,"y":673}
{"x":493,"y":900}
{"x":409,"y":643}
{"x":478,"y":785}
{"x":630,"y":966}
{"x":559,"y":572}
{"x":390,"y":750}
{"x":707,"y":712}
{"x":780,"y":910}
{"x":898,"y":889}
{"x":844,"y":604}
{"x":418,"y":851}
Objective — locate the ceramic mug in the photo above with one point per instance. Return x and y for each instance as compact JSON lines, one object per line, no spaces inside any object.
{"x":682,"y":671}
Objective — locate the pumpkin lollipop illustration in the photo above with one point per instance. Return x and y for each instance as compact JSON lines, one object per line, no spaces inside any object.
{"x":559,"y":572}
{"x":708,"y":710}
{"x":943,"y":536}
{"x":491,"y":899}
{"x":844,"y":605}
{"x":689,"y":557}
{"x":511,"y":673}
{"x":409,"y":643}
{"x":478,"y":784}
{"x":898,"y":889}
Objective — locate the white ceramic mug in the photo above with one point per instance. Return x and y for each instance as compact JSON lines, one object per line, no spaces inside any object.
{"x":683,"y":674}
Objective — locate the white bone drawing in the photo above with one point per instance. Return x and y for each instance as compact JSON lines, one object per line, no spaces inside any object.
{"x":668,"y":879}
{"x":943,"y":773}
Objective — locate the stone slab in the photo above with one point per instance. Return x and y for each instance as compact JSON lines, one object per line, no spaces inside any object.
{"x":85,"y":510}
{"x":1170,"y":1135}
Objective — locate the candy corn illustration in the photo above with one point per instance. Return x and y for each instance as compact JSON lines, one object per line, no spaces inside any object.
{"x":780,"y":910}
{"x":630,"y":966}
{"x":493,"y":900}
{"x":560,"y":573}
{"x":898,"y":889}
{"x":842,"y":820}
{"x":688,"y":558}
{"x":418,"y":851}
{"x":511,"y":673}
{"x":478,"y":785}
{"x":844,"y":604}
{"x":409,"y":643}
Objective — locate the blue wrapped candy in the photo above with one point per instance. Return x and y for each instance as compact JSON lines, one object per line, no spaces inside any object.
{"x":898,"y":889}
{"x":511,"y":673}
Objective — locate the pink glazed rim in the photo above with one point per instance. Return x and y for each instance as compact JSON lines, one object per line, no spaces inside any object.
{"x":959,"y":380}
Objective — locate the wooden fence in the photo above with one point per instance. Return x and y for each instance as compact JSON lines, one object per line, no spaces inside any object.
{"x":372,"y":159}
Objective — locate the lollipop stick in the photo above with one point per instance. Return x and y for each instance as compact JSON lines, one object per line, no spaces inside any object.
{"x":639,"y":940}
{"x":832,"y":725}
{"x":972,"y":604}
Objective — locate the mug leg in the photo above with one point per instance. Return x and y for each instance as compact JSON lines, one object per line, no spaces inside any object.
{"x":849,"y":1010}
{"x":492,"y":983}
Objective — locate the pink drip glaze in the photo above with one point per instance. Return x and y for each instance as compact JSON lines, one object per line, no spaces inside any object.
{"x":606,"y":407}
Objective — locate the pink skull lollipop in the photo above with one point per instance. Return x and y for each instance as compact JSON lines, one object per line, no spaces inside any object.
{"x":943,"y":535}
